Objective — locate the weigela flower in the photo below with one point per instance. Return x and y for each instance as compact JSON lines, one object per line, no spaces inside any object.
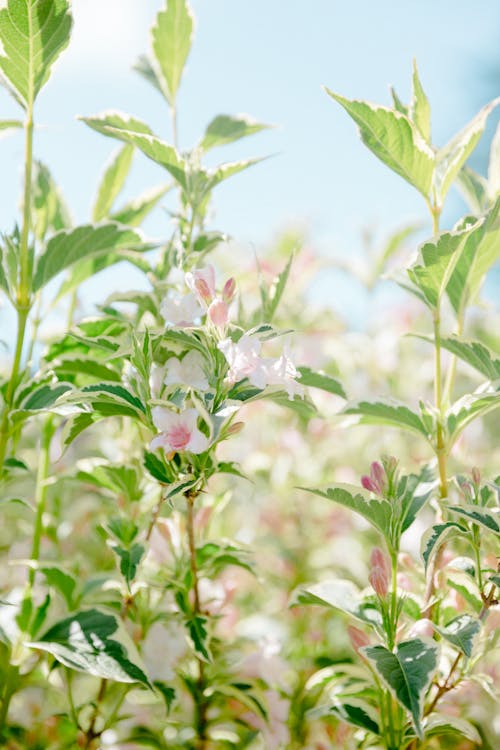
{"x":178,"y":432}
{"x":218,"y":312}
{"x":187,"y":371}
{"x":202,"y":282}
{"x":283,"y":372}
{"x":244,"y":360}
{"x":377,"y":481}
{"x":181,"y":310}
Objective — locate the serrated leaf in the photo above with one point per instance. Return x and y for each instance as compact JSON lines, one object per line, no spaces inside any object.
{"x":475,"y":354}
{"x":224,"y":171}
{"x":390,"y":412}
{"x":437,"y":259}
{"x":473,"y":188}
{"x":112,"y":181}
{"x":61,"y":581}
{"x":145,"y":69}
{"x":43,"y":397}
{"x":320,"y":380}
{"x":356,"y":712}
{"x":225,"y":129}
{"x":157,"y":468}
{"x":69,"y":246}
{"x":135,"y":211}
{"x":129,"y":560}
{"x":451,"y":158}
{"x":115,"y":390}
{"x":377,"y":512}
{"x":435,"y":537}
{"x":171,"y":38}
{"x":394,"y":139}
{"x":483,"y":516}
{"x":32,"y":34}
{"x":470,"y":407}
{"x":84,"y":642}
{"x":420,"y":111}
{"x":133,"y":131}
{"x":461,"y":632}
{"x":407,"y":673}
{"x":437,"y":724}
{"x":341,"y":595}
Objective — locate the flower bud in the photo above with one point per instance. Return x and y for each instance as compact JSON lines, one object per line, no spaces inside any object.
{"x":379,"y":560}
{"x":358,"y":638}
{"x":367,"y":483}
{"x":422,"y":627}
{"x":378,"y":476}
{"x":235,"y":428}
{"x":203,"y":290}
{"x":476,"y":476}
{"x":218,"y":313}
{"x":379,"y":582}
{"x":229,"y":290}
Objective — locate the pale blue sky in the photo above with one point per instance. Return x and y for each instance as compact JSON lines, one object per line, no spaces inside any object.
{"x":267,"y":58}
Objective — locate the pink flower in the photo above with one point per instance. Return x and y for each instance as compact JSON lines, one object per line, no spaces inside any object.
{"x":229,"y":290}
{"x":178,"y":432}
{"x":244,"y":360}
{"x":202,"y":281}
{"x":283,"y":372}
{"x":188,"y":371}
{"x":358,"y":638}
{"x":218,"y":312}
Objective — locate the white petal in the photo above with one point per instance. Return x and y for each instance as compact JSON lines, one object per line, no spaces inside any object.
{"x":163,"y":419}
{"x":198,"y":443}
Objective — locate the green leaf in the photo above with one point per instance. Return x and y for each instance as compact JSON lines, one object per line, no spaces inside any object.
{"x":72,"y":245}
{"x":171,"y":38}
{"x":494,"y":166}
{"x":483,"y":516}
{"x":420,"y":111}
{"x":320,"y":380}
{"x":49,"y":208}
{"x":32,"y":33}
{"x":437,"y":260}
{"x":451,"y":158}
{"x":44,"y":396}
{"x":83,"y":642}
{"x":473,"y":188}
{"x":476,"y":354}
{"x":229,"y":128}
{"x":135,"y":211}
{"x":477,"y":255}
{"x":115,"y":390}
{"x":224,"y":171}
{"x":10,"y":125}
{"x":120,"y":480}
{"x":341,"y":595}
{"x":129,"y":560}
{"x":438,"y":724}
{"x":470,"y":407}
{"x":61,"y":581}
{"x":435,"y":537}
{"x":133,"y":131}
{"x":377,"y":512}
{"x":394,"y":139}
{"x":156,"y":467}
{"x":145,"y":69}
{"x":461,"y":632}
{"x":407,"y":673}
{"x":272,"y":299}
{"x":355,"y":712}
{"x":112,"y":181}
{"x":83,"y":368}
{"x":389,"y":412}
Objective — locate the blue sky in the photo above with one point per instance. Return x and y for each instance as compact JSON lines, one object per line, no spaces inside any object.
{"x":269,"y":59}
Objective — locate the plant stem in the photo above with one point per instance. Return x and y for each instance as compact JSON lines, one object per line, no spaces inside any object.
{"x":22,"y":317}
{"x":41,"y":494}
{"x":91,"y":734}
{"x":200,"y":700}
{"x":8,"y":691}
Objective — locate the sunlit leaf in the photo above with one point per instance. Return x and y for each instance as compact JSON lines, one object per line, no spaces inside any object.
{"x":229,"y":128}
{"x":171,"y":38}
{"x":112,"y":182}
{"x":420,"y":111}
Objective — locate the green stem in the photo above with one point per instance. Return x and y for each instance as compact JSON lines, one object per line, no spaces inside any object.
{"x":9,"y":689}
{"x":41,"y":494}
{"x":22,"y":317}
{"x":394,"y":599}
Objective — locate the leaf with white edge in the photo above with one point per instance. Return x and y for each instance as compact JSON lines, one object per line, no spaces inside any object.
{"x":224,"y":171}
{"x":272,"y":299}
{"x":485,"y":517}
{"x":494,"y":166}
{"x":341,"y":595}
{"x":145,"y":69}
{"x":389,"y":412}
{"x":44,"y":397}
{"x":475,"y":354}
{"x":32,"y":35}
{"x":451,"y":158}
{"x":320,"y":380}
{"x":478,"y":254}
{"x":461,"y":632}
{"x":394,"y":139}
{"x":112,"y":181}
{"x":229,"y":128}
{"x":398,"y":104}
{"x":407,"y":673}
{"x":114,"y":390}
{"x":470,"y":407}
{"x":135,"y":211}
{"x":138,"y":134}
{"x":438,"y":724}
{"x":69,"y":246}
{"x":49,"y":208}
{"x":435,"y":537}
{"x":379,"y":513}
{"x":420,"y":111}
{"x":474,"y":188}
{"x":437,"y":260}
{"x":171,"y":38}
{"x":356,"y":712}
{"x":95,"y":643}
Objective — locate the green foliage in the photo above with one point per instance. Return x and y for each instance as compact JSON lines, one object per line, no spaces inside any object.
{"x":112,"y":182}
{"x":171,"y":38}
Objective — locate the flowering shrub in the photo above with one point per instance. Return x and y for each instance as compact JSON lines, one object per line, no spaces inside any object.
{"x":139,"y":607}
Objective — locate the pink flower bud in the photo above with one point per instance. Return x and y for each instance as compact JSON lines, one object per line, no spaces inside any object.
{"x":379,"y":560}
{"x":203,"y":290}
{"x":476,"y":476}
{"x":367,"y":483}
{"x":404,"y":582}
{"x":422,"y":627}
{"x":379,"y":582}
{"x":358,"y":638}
{"x":467,"y":489}
{"x":235,"y":428}
{"x":229,"y":290}
{"x":378,"y":476}
{"x":218,"y":313}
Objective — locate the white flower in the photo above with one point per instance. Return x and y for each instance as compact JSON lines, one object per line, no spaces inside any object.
{"x":188,"y":371}
{"x":164,"y":646}
{"x":178,"y":432}
{"x":181,"y":309}
{"x":244,"y":360}
{"x":283,"y":372}
{"x":156,"y":380}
